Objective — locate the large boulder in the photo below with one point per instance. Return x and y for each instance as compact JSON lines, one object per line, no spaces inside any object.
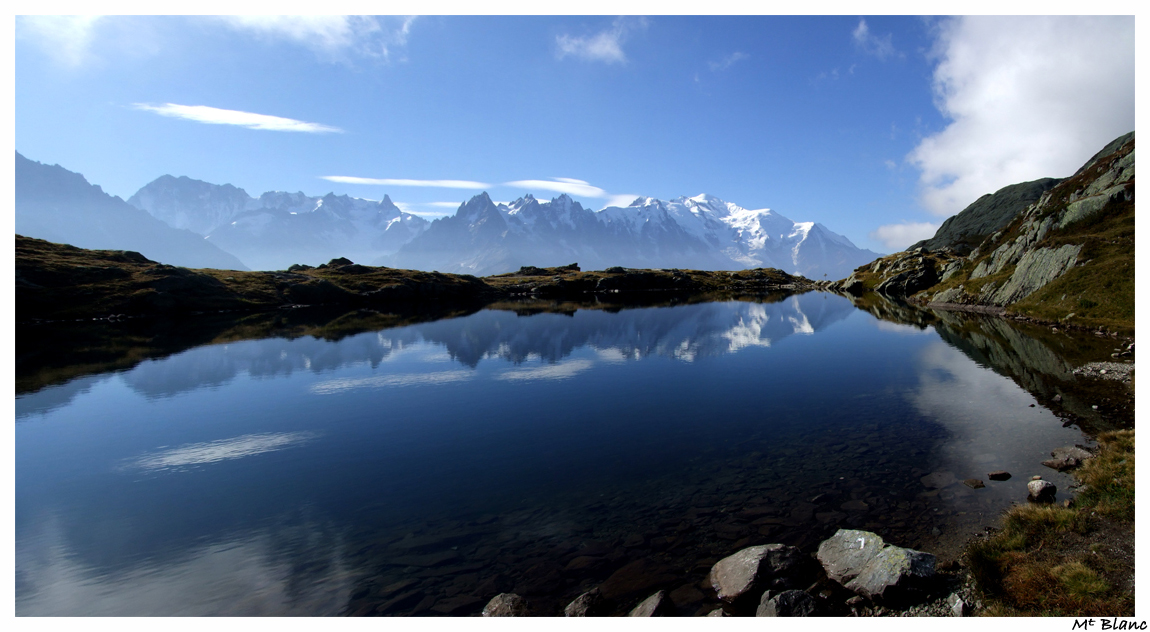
{"x":506,"y":605}
{"x":894,"y":575}
{"x":789,"y":603}
{"x":589,"y":604}
{"x":754,"y":567}
{"x":1041,"y":491}
{"x":657,"y":605}
{"x":845,"y":554}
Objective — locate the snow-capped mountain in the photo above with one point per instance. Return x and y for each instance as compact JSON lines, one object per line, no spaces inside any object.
{"x":483,"y":237}
{"x":701,"y":232}
{"x":280,"y":228}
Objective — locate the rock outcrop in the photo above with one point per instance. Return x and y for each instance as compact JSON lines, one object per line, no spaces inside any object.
{"x":1054,"y":248}
{"x":767,"y":565}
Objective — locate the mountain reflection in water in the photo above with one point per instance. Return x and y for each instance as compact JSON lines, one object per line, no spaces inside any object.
{"x":464,"y":457}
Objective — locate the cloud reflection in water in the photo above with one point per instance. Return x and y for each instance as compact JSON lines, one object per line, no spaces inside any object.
{"x":222,"y":450}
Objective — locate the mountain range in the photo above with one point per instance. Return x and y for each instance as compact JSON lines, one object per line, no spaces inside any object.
{"x":483,"y":237}
{"x":192,"y":223}
{"x":58,"y":205}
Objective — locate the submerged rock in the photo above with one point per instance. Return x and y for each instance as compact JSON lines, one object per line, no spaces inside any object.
{"x":789,"y":603}
{"x":767,"y":564}
{"x":506,"y":605}
{"x":1067,"y":458}
{"x":999,"y":475}
{"x":974,"y":483}
{"x":847,"y":552}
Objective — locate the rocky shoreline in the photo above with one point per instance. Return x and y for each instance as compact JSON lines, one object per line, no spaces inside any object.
{"x":853,"y":573}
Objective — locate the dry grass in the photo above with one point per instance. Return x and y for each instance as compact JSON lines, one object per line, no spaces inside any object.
{"x":1053,"y":560}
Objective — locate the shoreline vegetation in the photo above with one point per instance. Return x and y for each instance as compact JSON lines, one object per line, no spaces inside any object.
{"x":1063,"y":560}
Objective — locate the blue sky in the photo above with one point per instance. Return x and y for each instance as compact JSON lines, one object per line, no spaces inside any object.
{"x":876,"y":126}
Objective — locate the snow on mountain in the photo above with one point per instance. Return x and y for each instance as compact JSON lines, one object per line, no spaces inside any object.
{"x":483,"y":237}
{"x":280,"y":228}
{"x":702,"y":232}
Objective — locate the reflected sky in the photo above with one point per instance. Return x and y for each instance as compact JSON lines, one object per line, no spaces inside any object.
{"x":235,"y":478}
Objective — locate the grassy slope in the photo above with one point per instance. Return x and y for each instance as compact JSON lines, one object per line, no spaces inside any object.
{"x":1097,"y":293}
{"x":1050,"y":560}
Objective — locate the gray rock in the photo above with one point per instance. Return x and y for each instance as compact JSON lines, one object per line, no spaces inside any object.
{"x":894,"y":574}
{"x":657,"y":605}
{"x":718,"y":612}
{"x":1042,"y":491}
{"x":735,"y":575}
{"x":1067,"y":458}
{"x":1035,"y":269}
{"x":939,"y":479}
{"x":986,"y":215}
{"x":589,"y":604}
{"x":958,"y":607}
{"x":847,"y":552}
{"x":789,"y":603}
{"x":506,"y":605}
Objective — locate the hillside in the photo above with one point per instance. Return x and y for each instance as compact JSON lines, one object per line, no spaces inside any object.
{"x":1067,"y":257}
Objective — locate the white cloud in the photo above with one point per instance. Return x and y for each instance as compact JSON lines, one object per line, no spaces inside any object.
{"x":899,"y":236}
{"x":401,"y":182}
{"x":217,"y":116}
{"x":66,"y":38}
{"x":605,"y":46}
{"x":222,"y":450}
{"x":334,"y":37}
{"x":342,"y":385}
{"x":622,"y":200}
{"x":1027,"y":97}
{"x":569,"y":186}
{"x":728,"y":61}
{"x":559,"y":371}
{"x":572,"y":186}
{"x":872,"y":44}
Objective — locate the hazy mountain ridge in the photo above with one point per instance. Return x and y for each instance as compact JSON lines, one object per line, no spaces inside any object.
{"x":58,"y":205}
{"x":280,"y":228}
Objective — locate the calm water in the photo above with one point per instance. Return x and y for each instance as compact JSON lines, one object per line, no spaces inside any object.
{"x":423,"y":469}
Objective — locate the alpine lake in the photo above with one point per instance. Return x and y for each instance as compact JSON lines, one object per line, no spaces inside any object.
{"x":301,"y":463}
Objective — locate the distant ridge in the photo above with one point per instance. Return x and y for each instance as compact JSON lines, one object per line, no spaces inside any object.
{"x":61,"y":206}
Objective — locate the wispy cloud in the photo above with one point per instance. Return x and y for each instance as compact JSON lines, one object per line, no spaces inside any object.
{"x":250,"y":120}
{"x":728,"y":61}
{"x":871,"y":44}
{"x":605,"y":46}
{"x":65,"y":38}
{"x":333,"y":37}
{"x":572,"y":186}
{"x":403,"y":182}
{"x":1027,"y":97}
{"x":898,"y":236}
{"x":342,"y":385}
{"x":559,"y":371}
{"x":222,"y":450}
